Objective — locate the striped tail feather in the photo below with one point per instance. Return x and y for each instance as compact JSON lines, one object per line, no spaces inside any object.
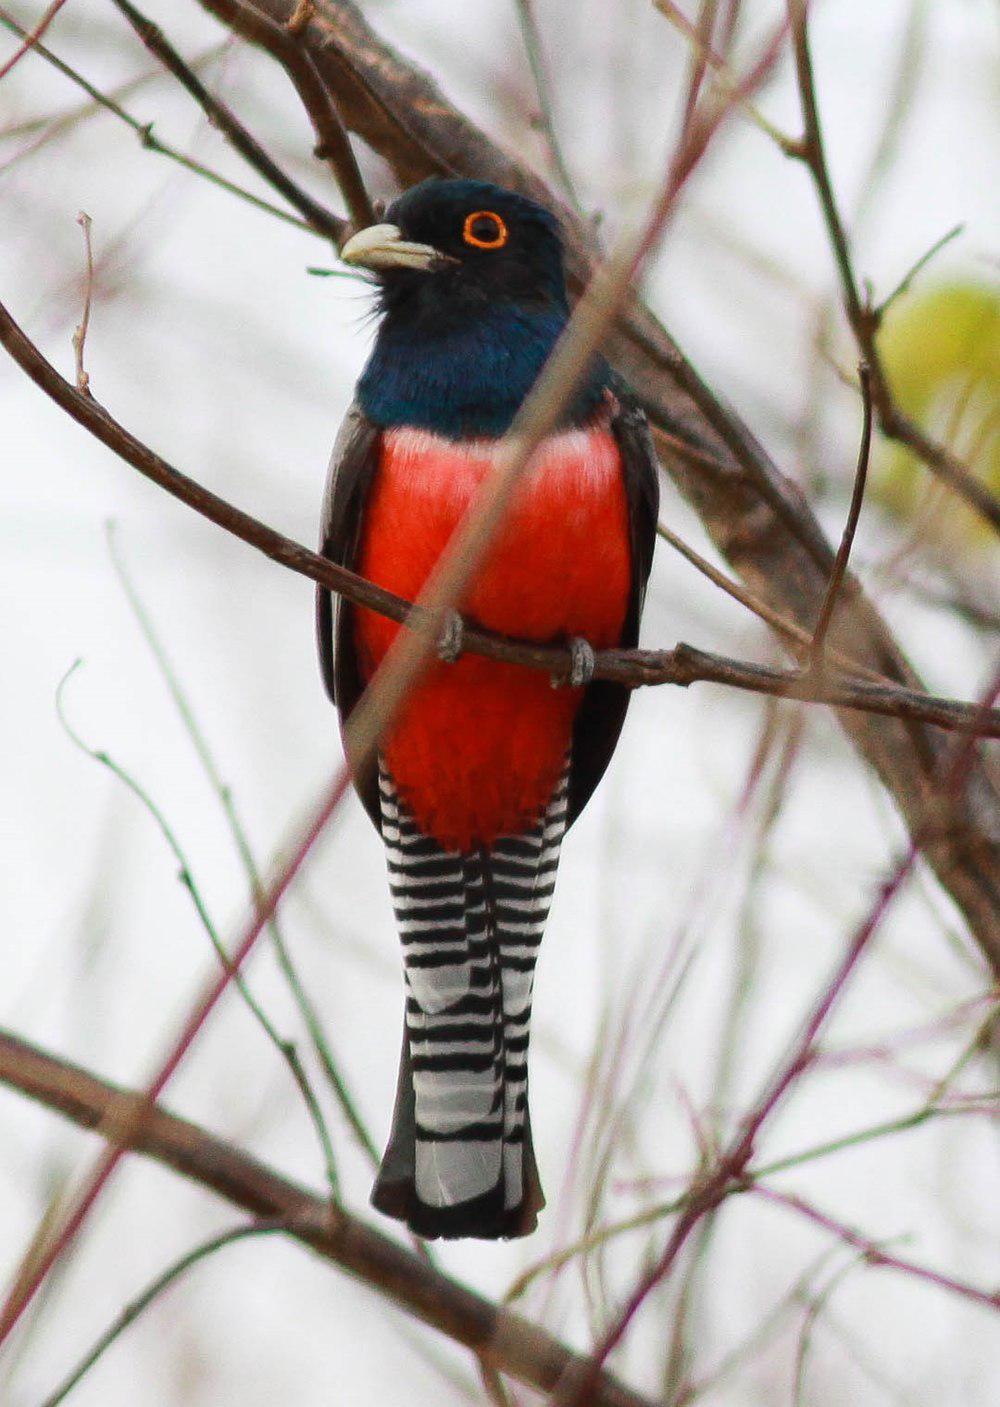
{"x":460,"y":1160}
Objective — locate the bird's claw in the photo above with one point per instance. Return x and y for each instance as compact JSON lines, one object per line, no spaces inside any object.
{"x":583,"y":662}
{"x":452,"y":638}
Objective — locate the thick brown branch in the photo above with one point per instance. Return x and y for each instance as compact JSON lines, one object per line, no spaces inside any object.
{"x":513,"y":1344}
{"x":682,"y":665}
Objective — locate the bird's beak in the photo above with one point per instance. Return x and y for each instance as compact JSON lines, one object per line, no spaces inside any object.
{"x":383,"y":247}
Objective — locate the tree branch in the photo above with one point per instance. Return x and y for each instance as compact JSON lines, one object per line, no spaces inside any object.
{"x":512,"y":1343}
{"x":683,"y":665}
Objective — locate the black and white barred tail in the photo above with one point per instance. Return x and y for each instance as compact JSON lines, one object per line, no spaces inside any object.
{"x":459,"y":1160}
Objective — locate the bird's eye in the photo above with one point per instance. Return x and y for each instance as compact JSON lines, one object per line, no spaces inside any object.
{"x":484,"y":229}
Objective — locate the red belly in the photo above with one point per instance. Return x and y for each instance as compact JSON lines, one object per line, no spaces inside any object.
{"x":480,"y":745}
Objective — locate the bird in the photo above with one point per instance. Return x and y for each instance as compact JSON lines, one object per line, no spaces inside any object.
{"x":488,"y":764}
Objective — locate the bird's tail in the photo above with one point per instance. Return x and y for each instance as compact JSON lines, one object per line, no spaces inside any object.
{"x":459,"y":1160}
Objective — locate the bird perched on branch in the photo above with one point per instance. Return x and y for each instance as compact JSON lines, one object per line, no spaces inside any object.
{"x":488,"y":764}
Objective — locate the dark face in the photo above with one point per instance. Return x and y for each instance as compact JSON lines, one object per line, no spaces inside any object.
{"x":462,"y":242}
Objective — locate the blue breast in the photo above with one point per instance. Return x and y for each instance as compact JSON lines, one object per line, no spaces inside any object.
{"x":470,"y":378}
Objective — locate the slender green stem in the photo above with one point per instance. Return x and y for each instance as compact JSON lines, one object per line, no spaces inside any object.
{"x":816,"y":1307}
{"x":285,"y":1048}
{"x":153,"y":1290}
{"x":241,"y":840}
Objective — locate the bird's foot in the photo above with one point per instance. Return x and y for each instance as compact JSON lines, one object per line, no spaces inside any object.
{"x":583,"y":662}
{"x":451,"y":641}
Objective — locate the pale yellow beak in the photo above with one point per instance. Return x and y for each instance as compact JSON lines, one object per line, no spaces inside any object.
{"x":383,"y":247}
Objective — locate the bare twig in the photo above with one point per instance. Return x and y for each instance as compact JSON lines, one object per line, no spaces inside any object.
{"x":903,"y":286}
{"x":333,"y":145}
{"x":705,"y":56}
{"x":224,"y":793}
{"x":33,"y":1271}
{"x":152,"y":1292}
{"x":850,"y":527}
{"x":317,"y":216}
{"x":144,"y":131}
{"x":863,"y":317}
{"x":730,"y":1169}
{"x":873,"y":1253}
{"x":798,"y":638}
{"x":285,"y":1048}
{"x":32,"y":38}
{"x":80,"y":333}
{"x":532,"y":39}
{"x":517,"y":1347}
{"x":682,"y":665}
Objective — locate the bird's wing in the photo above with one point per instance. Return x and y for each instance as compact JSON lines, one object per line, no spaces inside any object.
{"x":352,"y":465}
{"x":602,"y":712}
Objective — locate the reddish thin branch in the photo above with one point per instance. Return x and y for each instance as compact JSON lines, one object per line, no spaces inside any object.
{"x":873,"y":1252}
{"x":732,"y":1168}
{"x":30,"y":38}
{"x":33,"y":1272}
{"x":513,"y":1344}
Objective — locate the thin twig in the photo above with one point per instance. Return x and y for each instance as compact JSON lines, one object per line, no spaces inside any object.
{"x":729,"y":1172}
{"x":80,"y":333}
{"x":333,"y":144}
{"x":817,"y":1304}
{"x":32,"y":38}
{"x":903,"y":286}
{"x":222,"y":117}
{"x":795,"y":634}
{"x":864,"y":318}
{"x":32,"y":1274}
{"x":137,"y":1306}
{"x":285,"y":1048}
{"x":227,"y":801}
{"x":518,"y":1348}
{"x":873,"y":1252}
{"x":532,"y":40}
{"x":148,"y":138}
{"x":725,"y":77}
{"x":850,"y":527}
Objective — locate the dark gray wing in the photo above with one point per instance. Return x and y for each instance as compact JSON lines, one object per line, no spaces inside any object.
{"x":352,"y":465}
{"x":602,"y":713}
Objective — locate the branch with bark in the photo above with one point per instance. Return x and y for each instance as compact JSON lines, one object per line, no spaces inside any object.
{"x":682,"y":665}
{"x":499,"y":1335}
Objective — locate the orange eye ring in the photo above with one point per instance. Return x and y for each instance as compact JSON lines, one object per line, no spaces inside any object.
{"x":500,"y":237}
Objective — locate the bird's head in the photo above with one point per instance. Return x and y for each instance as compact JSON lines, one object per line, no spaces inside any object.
{"x":451,"y":244}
